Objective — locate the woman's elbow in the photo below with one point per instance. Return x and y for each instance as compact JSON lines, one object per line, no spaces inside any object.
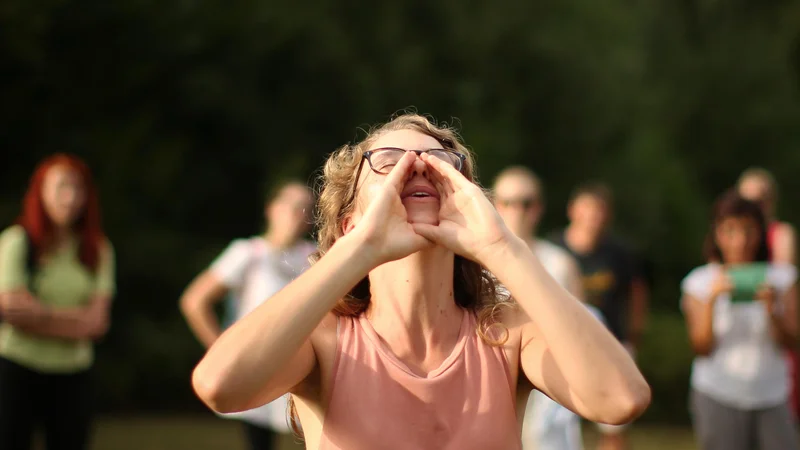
{"x":188,"y":305}
{"x":629,"y":405}
{"x":213,"y":391}
{"x":702,"y":346}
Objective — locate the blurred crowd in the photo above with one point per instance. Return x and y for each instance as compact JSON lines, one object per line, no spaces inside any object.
{"x":740,"y":307}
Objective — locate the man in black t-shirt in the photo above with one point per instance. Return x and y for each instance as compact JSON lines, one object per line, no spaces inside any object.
{"x":611,"y":277}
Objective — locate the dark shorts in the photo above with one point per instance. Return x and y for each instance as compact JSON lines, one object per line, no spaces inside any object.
{"x":720,"y":427}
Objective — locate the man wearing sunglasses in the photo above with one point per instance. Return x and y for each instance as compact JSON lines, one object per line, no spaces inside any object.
{"x":518,"y":199}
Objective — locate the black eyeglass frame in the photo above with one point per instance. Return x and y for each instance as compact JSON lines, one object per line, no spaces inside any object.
{"x":461,"y":158}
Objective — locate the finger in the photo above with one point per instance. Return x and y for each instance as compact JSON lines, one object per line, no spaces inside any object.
{"x":449,"y":172}
{"x":397,"y":177}
{"x":443,"y":186}
{"x":428,"y":231}
{"x":437,"y":173}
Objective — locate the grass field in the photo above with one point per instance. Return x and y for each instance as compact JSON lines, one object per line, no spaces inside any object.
{"x":211,"y":433}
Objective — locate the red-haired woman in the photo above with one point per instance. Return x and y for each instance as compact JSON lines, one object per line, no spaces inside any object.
{"x":56,"y":285}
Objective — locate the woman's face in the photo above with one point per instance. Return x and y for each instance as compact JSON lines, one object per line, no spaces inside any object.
{"x":289,"y":212}
{"x":758,"y":191}
{"x":738,"y":239}
{"x":419,"y":209}
{"x":517,"y":201}
{"x":588,"y":212}
{"x":63,"y":195}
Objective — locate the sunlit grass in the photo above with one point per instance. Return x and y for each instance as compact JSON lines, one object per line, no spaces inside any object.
{"x":211,"y":433}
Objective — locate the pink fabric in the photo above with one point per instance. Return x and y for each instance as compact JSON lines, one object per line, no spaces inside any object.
{"x":772,"y":230}
{"x":791,"y":355}
{"x":378,"y":403}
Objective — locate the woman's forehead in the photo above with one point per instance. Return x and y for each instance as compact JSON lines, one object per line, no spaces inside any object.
{"x":407,"y":140}
{"x":61,"y":171}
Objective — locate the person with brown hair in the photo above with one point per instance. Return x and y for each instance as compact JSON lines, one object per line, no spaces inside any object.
{"x":519,"y":198}
{"x":396,"y":337}
{"x":611,"y":277}
{"x":248,"y":272}
{"x":56,"y":286}
{"x":759,"y":186}
{"x":741,"y":314}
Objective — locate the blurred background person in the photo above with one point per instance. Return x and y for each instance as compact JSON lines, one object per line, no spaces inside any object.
{"x":519,"y":199}
{"x":611,"y":277}
{"x":738,"y":326}
{"x":56,"y":286}
{"x":759,"y":185}
{"x":248,"y":272}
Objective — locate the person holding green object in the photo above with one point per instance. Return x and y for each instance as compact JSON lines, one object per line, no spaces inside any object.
{"x":740,"y":312}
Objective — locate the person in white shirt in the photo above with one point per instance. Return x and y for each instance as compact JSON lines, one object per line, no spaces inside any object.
{"x":739,"y":383}
{"x":247,"y":273}
{"x":517,"y":193}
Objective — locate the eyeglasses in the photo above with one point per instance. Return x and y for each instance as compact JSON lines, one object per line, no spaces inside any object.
{"x":524,"y":203}
{"x":382,"y":160}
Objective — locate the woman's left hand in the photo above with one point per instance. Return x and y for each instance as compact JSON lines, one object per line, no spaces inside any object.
{"x":468,"y":222}
{"x":766,"y":295}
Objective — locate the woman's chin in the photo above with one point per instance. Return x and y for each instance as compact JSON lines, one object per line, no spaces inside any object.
{"x":423,"y":217}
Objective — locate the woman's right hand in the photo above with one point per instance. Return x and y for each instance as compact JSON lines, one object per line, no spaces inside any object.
{"x":721,"y":285}
{"x":20,"y":309}
{"x":384,"y":225}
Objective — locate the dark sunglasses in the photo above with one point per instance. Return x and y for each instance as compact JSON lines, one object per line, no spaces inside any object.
{"x":524,"y":203}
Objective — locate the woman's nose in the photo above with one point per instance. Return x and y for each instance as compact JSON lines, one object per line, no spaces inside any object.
{"x":419,"y":167}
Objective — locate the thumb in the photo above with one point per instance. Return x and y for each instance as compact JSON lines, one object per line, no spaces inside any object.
{"x":428,"y":231}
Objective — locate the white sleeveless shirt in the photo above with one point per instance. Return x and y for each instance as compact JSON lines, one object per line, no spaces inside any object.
{"x":253,"y":272}
{"x":746,"y":369}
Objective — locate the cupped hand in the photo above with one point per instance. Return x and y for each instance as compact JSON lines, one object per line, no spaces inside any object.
{"x":468,"y":222}
{"x":384,"y":225}
{"x":766,"y":294}
{"x":722,"y":284}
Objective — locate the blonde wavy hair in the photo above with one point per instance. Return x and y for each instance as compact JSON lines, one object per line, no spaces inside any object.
{"x":474,"y":288}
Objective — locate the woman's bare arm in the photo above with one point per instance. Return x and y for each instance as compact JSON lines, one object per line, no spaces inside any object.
{"x":783,"y":325}
{"x":567,"y":352}
{"x":270,"y":351}
{"x":197,"y":306}
{"x":25,"y":312}
{"x":700,"y":324}
{"x":785,"y":250}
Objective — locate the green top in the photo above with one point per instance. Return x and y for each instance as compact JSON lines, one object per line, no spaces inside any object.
{"x":60,"y":281}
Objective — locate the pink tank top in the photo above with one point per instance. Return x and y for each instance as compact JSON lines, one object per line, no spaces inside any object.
{"x":378,"y":403}
{"x":772,"y":230}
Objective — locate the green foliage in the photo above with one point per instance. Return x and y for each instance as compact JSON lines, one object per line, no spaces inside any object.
{"x":665,"y":360}
{"x":185,"y":110}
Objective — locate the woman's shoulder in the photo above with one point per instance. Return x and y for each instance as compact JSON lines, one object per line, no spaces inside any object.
{"x":782,"y":275}
{"x":244,"y":244}
{"x":14,"y":235}
{"x":699,"y":277}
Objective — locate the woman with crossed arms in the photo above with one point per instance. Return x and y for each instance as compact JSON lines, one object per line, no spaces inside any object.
{"x":396,"y":337}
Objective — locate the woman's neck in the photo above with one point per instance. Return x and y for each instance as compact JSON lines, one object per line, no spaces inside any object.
{"x":59,"y":237}
{"x":413,"y":307}
{"x":279,"y":240}
{"x":581,"y":240}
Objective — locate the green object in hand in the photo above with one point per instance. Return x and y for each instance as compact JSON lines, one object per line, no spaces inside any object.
{"x":747,"y":279}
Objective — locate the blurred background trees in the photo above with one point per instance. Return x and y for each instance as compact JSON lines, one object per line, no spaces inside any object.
{"x":188,"y":110}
